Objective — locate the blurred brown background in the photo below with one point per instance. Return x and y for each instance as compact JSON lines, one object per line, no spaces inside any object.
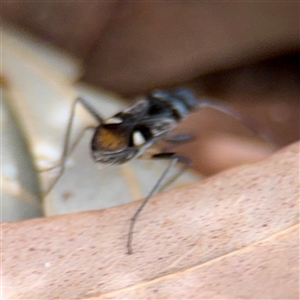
{"x":243,"y":53}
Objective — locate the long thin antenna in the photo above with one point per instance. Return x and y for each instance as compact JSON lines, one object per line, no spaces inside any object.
{"x":211,"y":103}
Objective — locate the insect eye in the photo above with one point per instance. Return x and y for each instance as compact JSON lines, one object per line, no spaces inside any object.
{"x":114,"y":120}
{"x":137,"y":138}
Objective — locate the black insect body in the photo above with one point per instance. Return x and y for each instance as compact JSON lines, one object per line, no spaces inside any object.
{"x":131,"y":132}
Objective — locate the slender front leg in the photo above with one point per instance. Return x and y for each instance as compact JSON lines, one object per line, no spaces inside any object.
{"x":174,"y":158}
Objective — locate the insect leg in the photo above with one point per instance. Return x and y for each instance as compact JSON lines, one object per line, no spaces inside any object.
{"x":66,"y":145}
{"x":174,"y":158}
{"x":63,"y":159}
{"x":210,"y":103}
{"x":186,"y":164}
{"x":180,"y":138}
{"x":90,"y":109}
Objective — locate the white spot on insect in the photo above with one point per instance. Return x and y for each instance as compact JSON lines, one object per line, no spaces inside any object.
{"x":138,"y":138}
{"x":114,"y":120}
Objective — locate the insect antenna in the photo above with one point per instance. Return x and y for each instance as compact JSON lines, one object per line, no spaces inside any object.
{"x":214,"y":104}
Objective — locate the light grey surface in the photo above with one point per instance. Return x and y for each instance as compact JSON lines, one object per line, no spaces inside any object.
{"x":20,"y":194}
{"x":41,"y":92}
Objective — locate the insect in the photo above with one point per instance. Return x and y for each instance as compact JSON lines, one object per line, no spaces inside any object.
{"x":131,"y":132}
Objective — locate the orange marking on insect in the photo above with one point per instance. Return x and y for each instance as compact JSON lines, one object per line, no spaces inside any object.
{"x":111,"y":140}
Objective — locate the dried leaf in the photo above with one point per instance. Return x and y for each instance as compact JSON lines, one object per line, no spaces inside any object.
{"x":234,"y":235}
